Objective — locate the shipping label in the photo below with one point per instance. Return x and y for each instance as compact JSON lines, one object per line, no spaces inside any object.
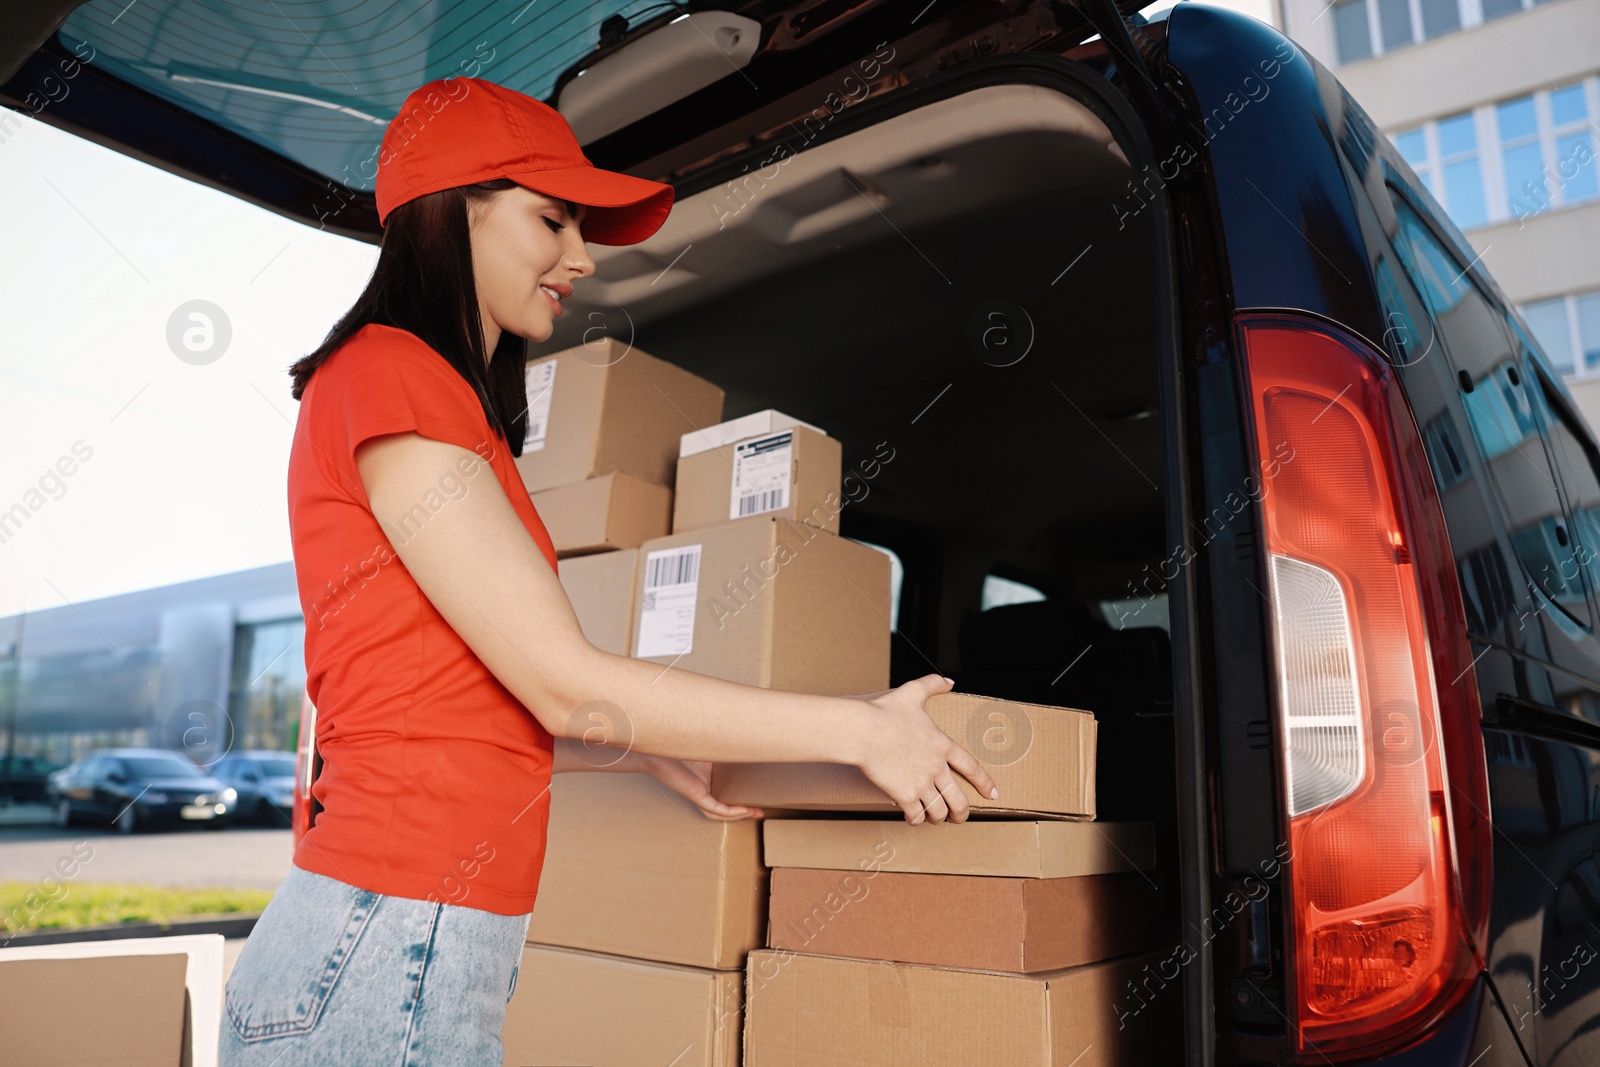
{"x":541,"y":382}
{"x":763,"y":470}
{"x":666,"y":621}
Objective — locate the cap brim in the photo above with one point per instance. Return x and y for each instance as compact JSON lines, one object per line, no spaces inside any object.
{"x":623,"y":209}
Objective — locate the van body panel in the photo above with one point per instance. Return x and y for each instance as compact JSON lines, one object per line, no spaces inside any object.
{"x":1293,"y":158}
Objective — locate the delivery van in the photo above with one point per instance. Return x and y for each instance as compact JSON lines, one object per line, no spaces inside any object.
{"x":1172,"y":392}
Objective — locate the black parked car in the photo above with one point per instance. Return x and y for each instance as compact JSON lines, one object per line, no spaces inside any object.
{"x":26,"y":780}
{"x":264,"y":781}
{"x":139,"y":788}
{"x":1172,"y":390}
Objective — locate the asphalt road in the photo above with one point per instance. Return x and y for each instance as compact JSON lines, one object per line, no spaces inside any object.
{"x":239,"y":857}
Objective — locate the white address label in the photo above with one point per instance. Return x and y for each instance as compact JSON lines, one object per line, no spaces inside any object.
{"x":763,"y":470}
{"x":666,"y":621}
{"x":541,"y":383}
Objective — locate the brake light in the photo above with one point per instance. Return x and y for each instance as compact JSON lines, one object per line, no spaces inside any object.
{"x":1384,"y":776}
{"x":304,"y":766}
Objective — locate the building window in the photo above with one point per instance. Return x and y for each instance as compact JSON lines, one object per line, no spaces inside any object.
{"x":1439,"y":17}
{"x":1351,"y":30}
{"x":1364,"y":28}
{"x":269,"y":677}
{"x":1545,"y":156}
{"x":1461,"y":177}
{"x":1546,"y":150}
{"x":1568,"y":329}
{"x":1394,"y":23}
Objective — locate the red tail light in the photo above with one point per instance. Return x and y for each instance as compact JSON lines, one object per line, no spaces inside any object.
{"x":305,"y":755}
{"x":1384,"y":773}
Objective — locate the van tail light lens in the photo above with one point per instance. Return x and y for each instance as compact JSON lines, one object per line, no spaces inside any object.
{"x":1383,"y":766}
{"x":305,"y":754}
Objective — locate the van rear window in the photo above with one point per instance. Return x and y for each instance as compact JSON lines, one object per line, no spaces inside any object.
{"x":319,"y":81}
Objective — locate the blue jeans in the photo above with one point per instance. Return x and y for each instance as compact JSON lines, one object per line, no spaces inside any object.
{"x":332,"y":974}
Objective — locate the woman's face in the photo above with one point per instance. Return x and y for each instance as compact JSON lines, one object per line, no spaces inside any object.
{"x":523,"y":241}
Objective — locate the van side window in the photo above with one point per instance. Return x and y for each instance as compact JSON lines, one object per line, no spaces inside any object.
{"x":1499,"y":401}
{"x":998,"y":591}
{"x":1446,"y":454}
{"x":1578,"y":463}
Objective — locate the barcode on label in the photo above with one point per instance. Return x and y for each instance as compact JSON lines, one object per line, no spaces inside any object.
{"x":672,"y":567}
{"x":771,"y":499}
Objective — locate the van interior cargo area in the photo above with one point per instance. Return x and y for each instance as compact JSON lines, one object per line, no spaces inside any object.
{"x":851,"y":285}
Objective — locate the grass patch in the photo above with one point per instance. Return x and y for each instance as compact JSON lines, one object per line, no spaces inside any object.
{"x":29,"y":906}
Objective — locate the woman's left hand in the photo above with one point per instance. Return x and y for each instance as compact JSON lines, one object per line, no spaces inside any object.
{"x":692,"y":779}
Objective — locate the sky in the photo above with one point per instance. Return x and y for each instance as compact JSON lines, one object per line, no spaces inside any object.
{"x":144,"y":445}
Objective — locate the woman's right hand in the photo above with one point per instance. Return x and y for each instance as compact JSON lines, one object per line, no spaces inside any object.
{"x":915,"y":762}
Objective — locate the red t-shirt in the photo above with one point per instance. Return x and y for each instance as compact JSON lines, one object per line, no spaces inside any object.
{"x":435,"y":779}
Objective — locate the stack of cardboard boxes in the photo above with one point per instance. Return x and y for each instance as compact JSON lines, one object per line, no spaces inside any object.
{"x":713,"y":547}
{"x":1014,"y":937}
{"x":708,"y":546}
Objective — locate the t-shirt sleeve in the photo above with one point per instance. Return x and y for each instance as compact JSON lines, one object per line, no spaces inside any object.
{"x":394,"y":393}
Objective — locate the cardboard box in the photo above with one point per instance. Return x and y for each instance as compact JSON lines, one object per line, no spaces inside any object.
{"x":1042,"y":759}
{"x":594,"y":409}
{"x":953,"y":920}
{"x":575,"y":1009}
{"x":767,"y":602}
{"x":157,"y":1000}
{"x":600,"y":588}
{"x":791,"y":473}
{"x":633,"y":869}
{"x":1002,"y":848}
{"x":805,"y":1010}
{"x":612,"y":511}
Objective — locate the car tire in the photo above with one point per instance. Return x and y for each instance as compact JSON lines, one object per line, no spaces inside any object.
{"x":64,"y":816}
{"x":127,"y":820}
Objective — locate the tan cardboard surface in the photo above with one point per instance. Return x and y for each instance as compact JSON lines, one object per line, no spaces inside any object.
{"x":634,"y":869}
{"x":616,"y":408}
{"x":600,"y":587}
{"x":705,"y":487}
{"x":1002,"y":924}
{"x":1042,"y":759}
{"x":1046,"y":848}
{"x":125,"y":1009}
{"x":577,"y":1009}
{"x":612,"y":511}
{"x":807,"y":1010}
{"x":783,"y":606}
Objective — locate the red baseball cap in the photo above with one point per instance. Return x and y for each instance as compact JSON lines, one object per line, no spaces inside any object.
{"x":460,"y":131}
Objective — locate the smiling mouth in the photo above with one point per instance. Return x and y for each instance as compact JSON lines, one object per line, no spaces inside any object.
{"x":549,"y":294}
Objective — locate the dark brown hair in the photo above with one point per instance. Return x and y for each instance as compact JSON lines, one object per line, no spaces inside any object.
{"x":423,"y":284}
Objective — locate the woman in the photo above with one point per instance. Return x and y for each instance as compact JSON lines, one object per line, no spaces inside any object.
{"x":448,"y":667}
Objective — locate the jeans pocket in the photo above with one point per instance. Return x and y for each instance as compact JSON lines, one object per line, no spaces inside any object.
{"x":295,"y":954}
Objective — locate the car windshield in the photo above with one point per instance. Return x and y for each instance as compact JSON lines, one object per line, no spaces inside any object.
{"x":160,"y":767}
{"x":253,"y":69}
{"x":277,"y":766}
